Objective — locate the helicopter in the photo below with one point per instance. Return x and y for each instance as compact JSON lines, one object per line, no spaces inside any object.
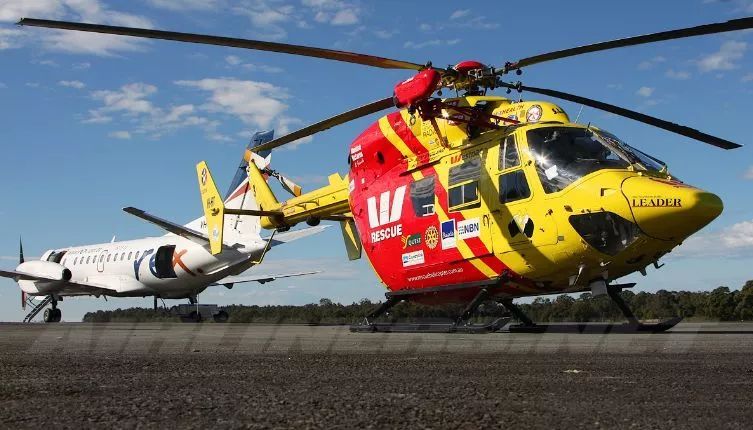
{"x":481,"y":197}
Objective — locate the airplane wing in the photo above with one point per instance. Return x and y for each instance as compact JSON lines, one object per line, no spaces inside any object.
{"x":230,"y":280}
{"x":66,"y":287}
{"x":170,"y":226}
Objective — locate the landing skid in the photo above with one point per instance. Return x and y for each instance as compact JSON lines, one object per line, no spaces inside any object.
{"x":490,"y":327}
{"x":659,"y":327}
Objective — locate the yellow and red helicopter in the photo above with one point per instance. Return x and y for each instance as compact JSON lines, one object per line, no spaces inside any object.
{"x":480,"y":197}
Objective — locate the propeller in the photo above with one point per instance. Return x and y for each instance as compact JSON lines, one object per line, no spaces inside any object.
{"x":259,"y":45}
{"x":342,"y":118}
{"x":719,"y":27}
{"x":20,"y":261}
{"x":627,"y":113}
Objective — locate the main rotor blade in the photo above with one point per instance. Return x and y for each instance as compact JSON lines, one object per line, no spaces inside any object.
{"x":306,"y":51}
{"x":627,"y":113}
{"x":342,"y":118}
{"x":720,"y":27}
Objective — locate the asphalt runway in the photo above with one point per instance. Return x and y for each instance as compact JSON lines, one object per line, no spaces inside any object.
{"x":265,"y":376}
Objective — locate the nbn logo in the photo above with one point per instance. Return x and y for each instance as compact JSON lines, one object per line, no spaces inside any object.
{"x":382,"y":214}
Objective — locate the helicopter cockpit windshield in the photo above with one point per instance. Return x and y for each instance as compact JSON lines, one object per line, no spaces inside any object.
{"x":643,"y":160}
{"x":565,"y":154}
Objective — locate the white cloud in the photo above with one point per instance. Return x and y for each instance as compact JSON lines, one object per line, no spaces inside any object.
{"x":334,"y":12}
{"x":3,"y":85}
{"x":725,"y":58}
{"x":649,"y":64}
{"x":747,"y":78}
{"x":185,"y":5}
{"x":677,"y":74}
{"x":10,"y":38}
{"x":120,"y":134}
{"x":81,"y":66}
{"x":129,"y":98}
{"x":73,"y":10}
{"x":257,"y":103}
{"x":345,"y":17}
{"x":460,"y":13}
{"x":748,"y":173}
{"x":72,"y":84}
{"x":233,"y":60}
{"x":733,"y":241}
{"x":433,"y":42}
{"x":645,"y":91}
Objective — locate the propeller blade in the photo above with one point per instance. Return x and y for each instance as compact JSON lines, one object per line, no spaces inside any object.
{"x":306,"y":51}
{"x":627,"y":113}
{"x":719,"y":27}
{"x":20,"y":251}
{"x":342,"y":118}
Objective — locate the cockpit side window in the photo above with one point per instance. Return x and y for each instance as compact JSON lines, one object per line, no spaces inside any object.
{"x":508,"y":153}
{"x":422,"y":196}
{"x":463,"y":185}
{"x":565,"y":154}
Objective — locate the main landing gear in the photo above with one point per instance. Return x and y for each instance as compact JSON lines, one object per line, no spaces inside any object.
{"x":460,"y":325}
{"x":633,"y":325}
{"x":53,"y":314}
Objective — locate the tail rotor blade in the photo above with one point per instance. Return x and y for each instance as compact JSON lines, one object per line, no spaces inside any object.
{"x":627,"y":113}
{"x":290,"y":186}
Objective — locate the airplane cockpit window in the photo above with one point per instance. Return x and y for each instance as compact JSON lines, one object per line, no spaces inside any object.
{"x":422,"y":196}
{"x":463,"y":184}
{"x":565,"y":154}
{"x":508,"y":154}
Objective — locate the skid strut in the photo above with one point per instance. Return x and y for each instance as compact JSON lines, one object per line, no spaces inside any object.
{"x":459,"y":325}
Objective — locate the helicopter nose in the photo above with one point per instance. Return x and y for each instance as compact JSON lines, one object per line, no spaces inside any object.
{"x":670,"y":210}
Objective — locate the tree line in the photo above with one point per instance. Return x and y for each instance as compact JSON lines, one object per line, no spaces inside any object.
{"x":720,"y":304}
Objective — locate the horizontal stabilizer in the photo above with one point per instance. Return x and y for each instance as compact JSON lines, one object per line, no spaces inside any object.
{"x":290,"y":236}
{"x":169,"y":226}
{"x":260,"y":278}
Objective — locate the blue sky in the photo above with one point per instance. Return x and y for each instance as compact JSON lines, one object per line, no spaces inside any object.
{"x":90,"y":124}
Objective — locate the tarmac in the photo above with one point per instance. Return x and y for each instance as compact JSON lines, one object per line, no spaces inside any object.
{"x":73,"y":375}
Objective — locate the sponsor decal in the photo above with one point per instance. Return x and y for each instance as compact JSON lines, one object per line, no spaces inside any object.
{"x":413,"y":258}
{"x":137,"y":263}
{"x":534,"y":113}
{"x":439,"y":274}
{"x":387,"y":211}
{"x":384,"y":213}
{"x":431,"y":237}
{"x":411,"y":240}
{"x":469,"y":228}
{"x":386,"y":233}
{"x":448,"y":234}
{"x":656,"y":202}
{"x":178,"y":261}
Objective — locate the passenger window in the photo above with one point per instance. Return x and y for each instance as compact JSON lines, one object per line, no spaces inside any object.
{"x":108,"y":258}
{"x":422,"y":196}
{"x":87,"y":259}
{"x":137,"y":255}
{"x":463,"y":185}
{"x":75,"y":261}
{"x":508,"y":154}
{"x":513,"y":186}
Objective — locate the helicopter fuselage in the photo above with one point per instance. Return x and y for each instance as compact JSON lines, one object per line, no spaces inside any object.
{"x":540,"y":207}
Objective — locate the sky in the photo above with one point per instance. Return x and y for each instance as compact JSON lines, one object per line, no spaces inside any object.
{"x":90,"y":124}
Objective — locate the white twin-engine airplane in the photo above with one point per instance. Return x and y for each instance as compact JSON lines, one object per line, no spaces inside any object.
{"x":179,"y":265}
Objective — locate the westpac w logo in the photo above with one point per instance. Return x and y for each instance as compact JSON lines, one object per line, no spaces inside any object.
{"x":382,"y":215}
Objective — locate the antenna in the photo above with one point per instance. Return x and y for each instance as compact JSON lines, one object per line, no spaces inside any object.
{"x":579,"y":112}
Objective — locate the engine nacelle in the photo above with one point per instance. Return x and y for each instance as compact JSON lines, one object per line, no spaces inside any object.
{"x":45,"y":269}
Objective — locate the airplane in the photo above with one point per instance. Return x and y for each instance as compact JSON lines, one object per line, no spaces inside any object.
{"x":178,"y":265}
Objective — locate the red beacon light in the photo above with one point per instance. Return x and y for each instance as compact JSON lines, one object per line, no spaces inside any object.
{"x":416,"y":88}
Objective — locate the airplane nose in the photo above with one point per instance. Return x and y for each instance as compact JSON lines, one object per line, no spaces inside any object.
{"x":670,"y":210}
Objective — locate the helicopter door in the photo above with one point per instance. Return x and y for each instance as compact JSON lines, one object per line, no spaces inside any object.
{"x":468,"y":193}
{"x":523,"y":221}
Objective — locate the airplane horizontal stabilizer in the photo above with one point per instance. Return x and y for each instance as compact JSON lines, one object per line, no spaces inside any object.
{"x":290,"y":236}
{"x":170,"y":226}
{"x":260,"y":278}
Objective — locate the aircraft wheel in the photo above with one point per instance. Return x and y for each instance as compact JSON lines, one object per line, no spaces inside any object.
{"x":221,"y":317}
{"x":194,"y":316}
{"x":58,"y":315}
{"x":50,"y":315}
